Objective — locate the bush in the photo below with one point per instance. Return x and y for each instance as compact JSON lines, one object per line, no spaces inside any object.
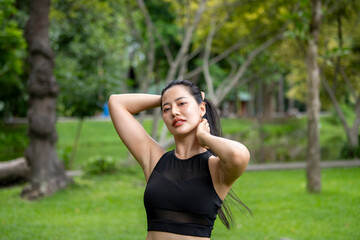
{"x":349,"y":152}
{"x":65,"y":155}
{"x":13,"y":141}
{"x":100,"y":165}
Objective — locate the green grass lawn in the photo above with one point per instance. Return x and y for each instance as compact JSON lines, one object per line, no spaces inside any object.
{"x":110,"y":207}
{"x":96,"y":138}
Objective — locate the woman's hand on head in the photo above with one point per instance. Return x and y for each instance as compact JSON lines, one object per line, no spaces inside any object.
{"x":202,"y":130}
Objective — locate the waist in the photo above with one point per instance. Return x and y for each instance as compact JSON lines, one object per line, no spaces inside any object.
{"x":155,"y":235}
{"x":186,"y":229}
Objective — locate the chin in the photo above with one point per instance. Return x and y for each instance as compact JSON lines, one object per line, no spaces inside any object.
{"x":182,"y":132}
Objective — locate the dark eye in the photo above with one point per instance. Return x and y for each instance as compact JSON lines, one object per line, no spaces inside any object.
{"x":182,"y":103}
{"x":166,"y":109}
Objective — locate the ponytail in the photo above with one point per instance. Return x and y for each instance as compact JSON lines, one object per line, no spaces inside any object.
{"x":213,"y":118}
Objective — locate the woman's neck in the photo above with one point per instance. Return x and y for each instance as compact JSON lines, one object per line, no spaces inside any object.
{"x":187,"y":146}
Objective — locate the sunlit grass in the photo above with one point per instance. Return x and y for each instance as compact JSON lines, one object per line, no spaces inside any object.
{"x":110,"y":207}
{"x":283,"y":209}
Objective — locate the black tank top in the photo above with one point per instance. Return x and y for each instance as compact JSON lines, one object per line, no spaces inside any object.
{"x":180,"y":196}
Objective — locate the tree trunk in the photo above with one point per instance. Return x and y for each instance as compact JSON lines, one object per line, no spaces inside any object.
{"x":262,"y":157}
{"x":260,"y":120}
{"x":47,"y":174}
{"x":352,"y":133}
{"x":313,"y":102}
{"x":267,"y":102}
{"x":75,"y":145}
{"x":150,"y":51}
{"x":186,"y":41}
{"x":13,"y":171}
{"x":251,"y":107}
{"x":281,"y":97}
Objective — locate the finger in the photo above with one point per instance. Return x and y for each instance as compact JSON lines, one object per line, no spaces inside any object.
{"x":204,"y":120}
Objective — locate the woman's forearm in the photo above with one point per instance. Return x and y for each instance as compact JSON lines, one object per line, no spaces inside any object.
{"x":234,"y":156}
{"x":134,"y":103}
{"x":227,"y":150}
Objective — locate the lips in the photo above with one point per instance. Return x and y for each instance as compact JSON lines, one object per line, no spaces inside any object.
{"x":177,"y":122}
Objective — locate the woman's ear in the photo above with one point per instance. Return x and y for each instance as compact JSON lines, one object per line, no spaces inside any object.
{"x":203,"y":109}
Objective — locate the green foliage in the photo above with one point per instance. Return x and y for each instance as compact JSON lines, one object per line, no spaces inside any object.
{"x":340,"y":55}
{"x":100,"y":165}
{"x":80,"y":99}
{"x":13,"y":141}
{"x":111,"y":207}
{"x":300,"y":20}
{"x":96,"y":42}
{"x":164,"y":18}
{"x":336,"y":49}
{"x":90,"y":45}
{"x":348,"y":111}
{"x":348,"y":151}
{"x":284,"y":139}
{"x":12,"y":53}
{"x":65,"y":155}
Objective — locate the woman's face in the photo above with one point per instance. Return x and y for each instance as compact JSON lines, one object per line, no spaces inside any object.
{"x":181,"y":113}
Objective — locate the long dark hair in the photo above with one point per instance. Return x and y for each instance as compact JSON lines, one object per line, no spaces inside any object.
{"x":213,"y":119}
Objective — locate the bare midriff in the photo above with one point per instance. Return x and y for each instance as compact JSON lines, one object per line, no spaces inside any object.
{"x":153,"y":235}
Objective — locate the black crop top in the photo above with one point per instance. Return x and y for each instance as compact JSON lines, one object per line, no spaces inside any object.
{"x":180,"y":196}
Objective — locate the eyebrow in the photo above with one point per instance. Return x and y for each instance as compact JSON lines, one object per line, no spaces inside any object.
{"x":179,"y":98}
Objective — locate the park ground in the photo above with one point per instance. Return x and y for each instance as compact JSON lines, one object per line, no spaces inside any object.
{"x":110,"y":207}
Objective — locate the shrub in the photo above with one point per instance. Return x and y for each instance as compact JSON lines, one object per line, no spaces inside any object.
{"x":13,"y":141}
{"x":64,"y":155}
{"x":100,"y":165}
{"x":349,"y":152}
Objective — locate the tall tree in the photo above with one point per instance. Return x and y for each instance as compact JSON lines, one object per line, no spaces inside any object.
{"x":339,"y":71}
{"x":313,"y":101}
{"x":47,"y":174}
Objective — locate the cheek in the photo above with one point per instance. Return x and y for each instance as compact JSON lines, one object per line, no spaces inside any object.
{"x":194,"y":114}
{"x":167,"y":119}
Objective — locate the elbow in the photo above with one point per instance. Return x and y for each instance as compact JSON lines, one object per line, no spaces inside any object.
{"x":241,"y":157}
{"x":112,"y":99}
{"x":114,"y":103}
{"x":115,"y":100}
{"x":236,"y":165}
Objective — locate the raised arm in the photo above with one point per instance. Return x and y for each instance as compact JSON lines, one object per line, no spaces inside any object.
{"x":122,"y":107}
{"x":234,"y":156}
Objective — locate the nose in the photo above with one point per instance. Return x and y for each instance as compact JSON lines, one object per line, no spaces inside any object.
{"x":175,"y":111}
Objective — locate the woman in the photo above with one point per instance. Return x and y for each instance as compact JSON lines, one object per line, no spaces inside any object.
{"x":186,"y":186}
